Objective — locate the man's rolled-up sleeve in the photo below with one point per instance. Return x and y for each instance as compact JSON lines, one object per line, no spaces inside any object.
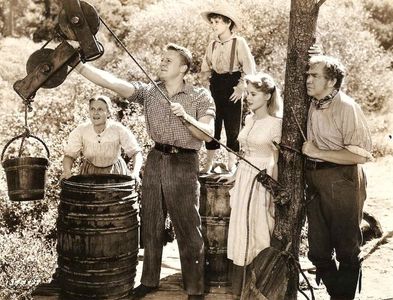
{"x":206,"y":106}
{"x":356,"y":134}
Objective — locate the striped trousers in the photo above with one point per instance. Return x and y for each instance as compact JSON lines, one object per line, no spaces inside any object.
{"x":172,"y":180}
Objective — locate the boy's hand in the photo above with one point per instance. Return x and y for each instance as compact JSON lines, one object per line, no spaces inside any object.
{"x":237,"y":94}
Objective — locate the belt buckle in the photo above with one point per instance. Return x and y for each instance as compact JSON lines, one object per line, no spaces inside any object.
{"x":312,"y":164}
{"x":173,"y":150}
{"x":169,"y":149}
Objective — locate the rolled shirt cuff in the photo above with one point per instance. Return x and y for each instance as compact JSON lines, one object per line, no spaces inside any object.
{"x":360,"y":151}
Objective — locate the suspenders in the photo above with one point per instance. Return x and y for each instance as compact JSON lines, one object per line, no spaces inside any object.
{"x":233,"y":52}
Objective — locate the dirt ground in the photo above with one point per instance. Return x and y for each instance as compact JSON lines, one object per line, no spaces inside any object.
{"x":378,"y":267}
{"x":377,"y":282}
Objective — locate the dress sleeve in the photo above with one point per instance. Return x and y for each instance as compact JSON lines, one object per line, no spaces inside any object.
{"x":276,"y":131}
{"x":74,"y":144}
{"x":128,"y":141}
{"x":206,"y":105}
{"x":356,"y":134}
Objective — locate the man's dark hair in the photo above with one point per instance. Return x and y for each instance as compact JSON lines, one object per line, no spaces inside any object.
{"x":184,"y":53}
{"x":224,"y":18}
{"x":333,"y":68}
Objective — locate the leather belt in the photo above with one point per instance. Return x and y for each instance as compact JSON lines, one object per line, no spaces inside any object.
{"x":316,"y":165}
{"x":170,"y":149}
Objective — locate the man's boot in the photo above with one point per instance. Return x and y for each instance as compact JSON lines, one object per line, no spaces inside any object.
{"x":328,"y":273}
{"x":348,"y":277}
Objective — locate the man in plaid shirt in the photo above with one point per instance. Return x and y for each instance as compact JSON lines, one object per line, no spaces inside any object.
{"x":170,"y":180}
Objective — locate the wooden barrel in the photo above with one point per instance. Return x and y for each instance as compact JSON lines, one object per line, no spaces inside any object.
{"x":215,"y":212}
{"x":97,"y":237}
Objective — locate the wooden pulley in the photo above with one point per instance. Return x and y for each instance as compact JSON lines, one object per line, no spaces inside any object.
{"x":90,"y":16}
{"x":42,"y":59}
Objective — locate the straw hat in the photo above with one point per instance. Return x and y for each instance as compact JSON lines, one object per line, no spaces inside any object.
{"x":224,"y":10}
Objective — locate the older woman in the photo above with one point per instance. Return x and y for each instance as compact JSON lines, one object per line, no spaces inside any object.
{"x":100,"y":141}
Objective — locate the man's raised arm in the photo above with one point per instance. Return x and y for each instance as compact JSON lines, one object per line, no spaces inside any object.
{"x":106,"y":80}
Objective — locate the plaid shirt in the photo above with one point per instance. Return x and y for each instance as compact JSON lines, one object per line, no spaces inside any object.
{"x":162,"y":125}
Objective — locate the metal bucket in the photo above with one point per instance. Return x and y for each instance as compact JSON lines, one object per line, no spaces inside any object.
{"x":26,"y":176}
{"x":97,"y":236}
{"x":215,"y":212}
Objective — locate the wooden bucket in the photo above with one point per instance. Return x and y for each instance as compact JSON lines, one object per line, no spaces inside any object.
{"x":97,"y":237}
{"x":26,"y":176}
{"x":215,"y":212}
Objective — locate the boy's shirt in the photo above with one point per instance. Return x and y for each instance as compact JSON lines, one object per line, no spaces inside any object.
{"x":219,"y":59}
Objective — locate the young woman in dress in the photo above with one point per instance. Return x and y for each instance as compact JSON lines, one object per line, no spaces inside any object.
{"x":262,"y":127}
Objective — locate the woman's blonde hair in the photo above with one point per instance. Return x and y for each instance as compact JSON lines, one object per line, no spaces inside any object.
{"x":265,"y":83}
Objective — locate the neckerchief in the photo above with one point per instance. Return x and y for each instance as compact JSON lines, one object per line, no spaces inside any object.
{"x":324,"y":102}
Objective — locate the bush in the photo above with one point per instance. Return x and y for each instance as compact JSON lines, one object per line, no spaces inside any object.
{"x":369,"y":80}
{"x":380,"y":21}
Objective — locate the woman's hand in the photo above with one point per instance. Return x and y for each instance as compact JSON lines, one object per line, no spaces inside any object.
{"x":65,"y":175}
{"x":225,"y":177}
{"x":136,"y":177}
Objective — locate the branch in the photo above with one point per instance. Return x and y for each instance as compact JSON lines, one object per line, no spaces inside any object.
{"x":378,"y":243}
{"x":320,"y":3}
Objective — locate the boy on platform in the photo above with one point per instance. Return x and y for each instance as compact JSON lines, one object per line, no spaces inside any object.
{"x":227,"y":59}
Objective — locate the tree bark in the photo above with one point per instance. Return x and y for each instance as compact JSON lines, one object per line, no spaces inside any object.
{"x":290,"y":217}
{"x":9,"y":19}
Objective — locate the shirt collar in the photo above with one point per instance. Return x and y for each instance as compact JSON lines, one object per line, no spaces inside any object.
{"x":217,"y":39}
{"x":186,"y":89}
{"x":324,"y":102}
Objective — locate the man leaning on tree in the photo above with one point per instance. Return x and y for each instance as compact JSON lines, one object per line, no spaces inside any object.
{"x":338,"y":141}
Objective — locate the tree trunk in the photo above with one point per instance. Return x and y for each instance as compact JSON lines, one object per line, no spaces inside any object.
{"x":9,"y":19}
{"x":290,"y":217}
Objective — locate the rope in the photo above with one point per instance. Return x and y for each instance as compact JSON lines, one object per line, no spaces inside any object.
{"x":26,"y":134}
{"x":167,"y":99}
{"x":247,"y":235}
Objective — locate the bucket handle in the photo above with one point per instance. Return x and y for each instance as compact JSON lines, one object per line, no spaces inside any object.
{"x":24,"y":136}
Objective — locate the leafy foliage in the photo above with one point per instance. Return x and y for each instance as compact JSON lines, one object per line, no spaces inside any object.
{"x":380,"y":21}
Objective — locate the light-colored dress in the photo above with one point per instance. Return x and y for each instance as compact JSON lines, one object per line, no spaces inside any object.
{"x":102,"y":152}
{"x":256,"y":140}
